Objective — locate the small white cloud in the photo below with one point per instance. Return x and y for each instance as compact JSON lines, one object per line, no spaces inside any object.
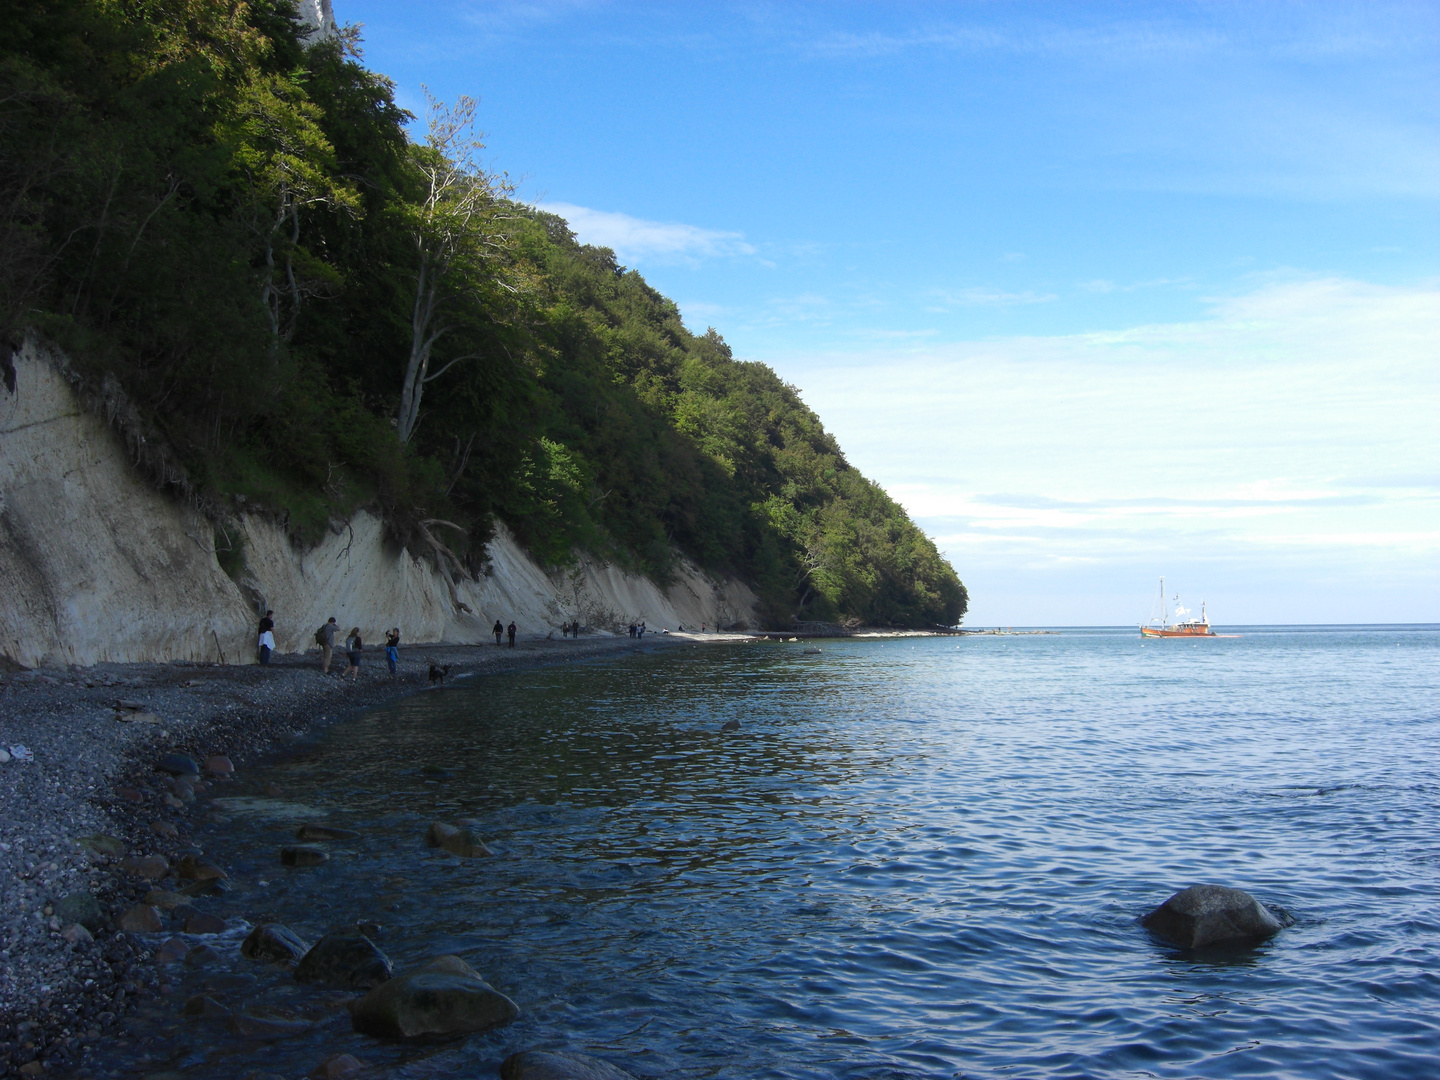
{"x":1099,"y":285}
{"x":698,"y":313}
{"x":636,"y":240}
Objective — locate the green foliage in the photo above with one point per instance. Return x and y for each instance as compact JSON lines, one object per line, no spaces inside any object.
{"x":238,"y":229}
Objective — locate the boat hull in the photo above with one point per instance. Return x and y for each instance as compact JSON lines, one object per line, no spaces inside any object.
{"x":1182,"y":631}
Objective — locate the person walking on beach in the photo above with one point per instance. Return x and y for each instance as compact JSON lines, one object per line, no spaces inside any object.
{"x":510,"y":631}
{"x":392,"y":649}
{"x":353,"y":648}
{"x":325,"y":638}
{"x":498,"y":631}
{"x":267,"y":637}
{"x":640,"y":633}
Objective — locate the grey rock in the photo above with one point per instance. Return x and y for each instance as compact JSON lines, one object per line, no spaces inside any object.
{"x":198,"y":869}
{"x":345,"y":961}
{"x":442,"y":998}
{"x":202,"y":923}
{"x":178,"y":765}
{"x":150,"y":867}
{"x":559,"y":1065}
{"x":1205,"y":915}
{"x":83,"y":908}
{"x":273,"y":943}
{"x":140,"y":919}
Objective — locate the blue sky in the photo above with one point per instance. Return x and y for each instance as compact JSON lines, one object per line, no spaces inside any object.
{"x":1100,"y":292}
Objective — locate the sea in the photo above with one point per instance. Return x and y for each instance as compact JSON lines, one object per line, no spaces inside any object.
{"x":915,"y":857}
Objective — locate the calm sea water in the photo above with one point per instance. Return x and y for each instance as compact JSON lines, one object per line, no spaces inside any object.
{"x":917,"y":858}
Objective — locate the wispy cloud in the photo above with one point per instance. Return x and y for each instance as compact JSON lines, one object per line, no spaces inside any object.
{"x":1104,"y":285}
{"x":984,"y":296}
{"x":636,"y":240}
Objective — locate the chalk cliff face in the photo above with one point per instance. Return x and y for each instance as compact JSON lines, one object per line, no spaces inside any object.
{"x":96,"y":565}
{"x":319,"y":16}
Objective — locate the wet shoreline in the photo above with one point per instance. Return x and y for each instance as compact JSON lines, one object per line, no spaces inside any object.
{"x":97,"y":735}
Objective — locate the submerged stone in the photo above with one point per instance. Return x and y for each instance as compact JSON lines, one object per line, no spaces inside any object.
{"x":202,"y":923}
{"x":442,"y":998}
{"x":204,"y":1005}
{"x":337,"y":1067}
{"x":559,"y":1065}
{"x":462,"y":842}
{"x":300,"y":855}
{"x":314,"y":831}
{"x":104,"y":844}
{"x":266,"y":1028}
{"x":1205,"y":915}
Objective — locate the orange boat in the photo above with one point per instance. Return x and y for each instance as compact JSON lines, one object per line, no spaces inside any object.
{"x":1161,"y":626}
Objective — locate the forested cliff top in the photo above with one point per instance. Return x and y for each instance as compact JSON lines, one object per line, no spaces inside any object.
{"x":303,"y":310}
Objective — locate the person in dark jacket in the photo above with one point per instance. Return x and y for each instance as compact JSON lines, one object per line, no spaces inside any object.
{"x":392,"y":649}
{"x":498,"y":630}
{"x":325,"y":638}
{"x":510,"y":631}
{"x":354,"y":649}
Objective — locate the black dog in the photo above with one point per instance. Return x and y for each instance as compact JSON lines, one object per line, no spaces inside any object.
{"x":437,"y":674}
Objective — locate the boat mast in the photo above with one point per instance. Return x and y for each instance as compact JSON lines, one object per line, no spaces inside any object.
{"x":1164,"y":611}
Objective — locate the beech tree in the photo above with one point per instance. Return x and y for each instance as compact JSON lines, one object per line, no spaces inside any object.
{"x":459,"y":245}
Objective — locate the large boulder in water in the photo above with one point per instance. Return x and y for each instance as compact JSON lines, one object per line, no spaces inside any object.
{"x":442,"y":998}
{"x":1205,"y":915}
{"x":545,"y":1065}
{"x":345,"y":961}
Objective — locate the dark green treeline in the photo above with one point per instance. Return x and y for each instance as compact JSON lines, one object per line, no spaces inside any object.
{"x":311,"y":312}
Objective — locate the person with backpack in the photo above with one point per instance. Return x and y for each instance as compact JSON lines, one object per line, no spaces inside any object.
{"x":325,"y":638}
{"x":510,"y":630}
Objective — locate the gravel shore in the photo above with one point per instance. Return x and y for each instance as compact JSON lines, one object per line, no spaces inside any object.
{"x":79,"y":819}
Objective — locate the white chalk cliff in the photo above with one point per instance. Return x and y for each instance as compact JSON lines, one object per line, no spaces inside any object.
{"x":320,"y":17}
{"x":97,"y":565}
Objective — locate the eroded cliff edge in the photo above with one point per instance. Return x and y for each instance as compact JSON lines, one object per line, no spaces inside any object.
{"x":97,"y":565}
